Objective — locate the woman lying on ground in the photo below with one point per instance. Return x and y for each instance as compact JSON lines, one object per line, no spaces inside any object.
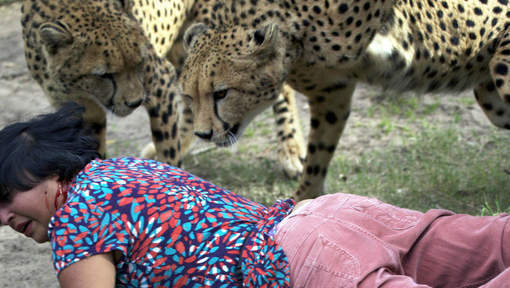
{"x":130,"y":222}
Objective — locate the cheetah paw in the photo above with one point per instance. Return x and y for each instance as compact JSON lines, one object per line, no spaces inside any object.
{"x":149,"y":151}
{"x":290,"y":160}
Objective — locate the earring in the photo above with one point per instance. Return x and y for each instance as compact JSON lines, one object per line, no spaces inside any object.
{"x":61,"y":190}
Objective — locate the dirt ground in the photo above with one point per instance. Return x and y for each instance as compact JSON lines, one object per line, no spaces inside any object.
{"x":23,"y":263}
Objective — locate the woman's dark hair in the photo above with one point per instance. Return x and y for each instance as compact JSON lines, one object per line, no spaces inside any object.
{"x":54,"y":144}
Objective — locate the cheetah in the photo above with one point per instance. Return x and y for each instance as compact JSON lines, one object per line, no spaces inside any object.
{"x":112,"y":55}
{"x":98,"y":54}
{"x":323,"y":48}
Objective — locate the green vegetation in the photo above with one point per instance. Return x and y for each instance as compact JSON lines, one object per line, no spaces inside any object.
{"x":439,"y":168}
{"x":420,"y":155}
{"x":433,"y":164}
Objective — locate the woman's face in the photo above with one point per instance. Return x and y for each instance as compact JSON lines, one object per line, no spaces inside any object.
{"x":29,"y":212}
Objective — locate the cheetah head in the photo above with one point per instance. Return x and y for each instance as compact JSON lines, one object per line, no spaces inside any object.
{"x":86,"y":49}
{"x":229,"y":77}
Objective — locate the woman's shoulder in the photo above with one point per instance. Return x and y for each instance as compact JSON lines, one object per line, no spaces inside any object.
{"x":125,"y":162}
{"x":127,"y":165}
{"x":130,"y":176}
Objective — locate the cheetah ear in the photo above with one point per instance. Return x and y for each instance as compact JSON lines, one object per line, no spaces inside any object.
{"x":54,"y":36}
{"x":266,"y":39}
{"x":192,"y":33}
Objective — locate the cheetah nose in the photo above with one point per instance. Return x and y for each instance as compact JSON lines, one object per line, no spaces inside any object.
{"x":204,"y":135}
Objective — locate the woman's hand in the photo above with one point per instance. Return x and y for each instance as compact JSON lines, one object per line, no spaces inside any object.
{"x":96,"y":271}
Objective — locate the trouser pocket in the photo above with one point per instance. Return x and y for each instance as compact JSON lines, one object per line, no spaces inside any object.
{"x":327,"y":265}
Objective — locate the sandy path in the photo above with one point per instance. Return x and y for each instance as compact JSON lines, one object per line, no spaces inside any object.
{"x":24,"y":263}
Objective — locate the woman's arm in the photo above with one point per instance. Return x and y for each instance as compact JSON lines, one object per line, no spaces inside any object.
{"x":96,"y":271}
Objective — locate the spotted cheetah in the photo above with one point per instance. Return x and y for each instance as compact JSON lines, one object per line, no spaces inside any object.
{"x":111,"y":55}
{"x":97,"y":53}
{"x":323,"y":48}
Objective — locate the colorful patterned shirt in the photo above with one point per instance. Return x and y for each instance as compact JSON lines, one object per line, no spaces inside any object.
{"x":172,"y":228}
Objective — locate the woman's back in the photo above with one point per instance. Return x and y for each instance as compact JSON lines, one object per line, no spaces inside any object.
{"x":164,"y":222}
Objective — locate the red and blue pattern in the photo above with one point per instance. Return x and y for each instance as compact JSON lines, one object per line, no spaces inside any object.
{"x":172,"y":228}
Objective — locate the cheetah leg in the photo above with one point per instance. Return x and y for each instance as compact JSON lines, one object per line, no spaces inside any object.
{"x":497,"y":110}
{"x":176,"y":57}
{"x":171,"y":124}
{"x":328,"y":118}
{"x":96,"y":120}
{"x":186,"y":125}
{"x":291,"y":152}
{"x":166,"y":141}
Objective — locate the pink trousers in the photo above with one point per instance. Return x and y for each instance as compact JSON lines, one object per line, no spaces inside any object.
{"x":343,"y":240}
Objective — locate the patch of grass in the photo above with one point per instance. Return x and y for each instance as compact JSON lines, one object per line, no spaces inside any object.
{"x":440,"y":168}
{"x":406,"y":107}
{"x":489,"y":210}
{"x":248,"y":173}
{"x":386,"y":125}
{"x":467,"y":102}
{"x":435,"y":168}
{"x":431,"y":166}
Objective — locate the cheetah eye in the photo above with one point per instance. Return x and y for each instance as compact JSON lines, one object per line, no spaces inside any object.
{"x":220,"y":94}
{"x":108,"y":76}
{"x":104,"y":76}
